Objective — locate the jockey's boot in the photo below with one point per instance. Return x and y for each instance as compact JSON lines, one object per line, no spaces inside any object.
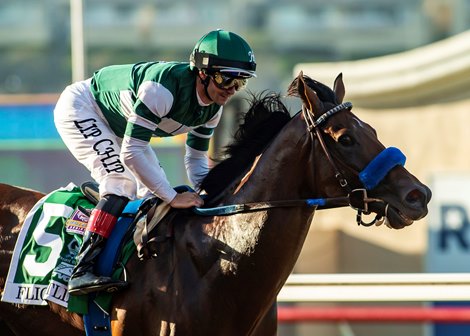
{"x":102,"y":220}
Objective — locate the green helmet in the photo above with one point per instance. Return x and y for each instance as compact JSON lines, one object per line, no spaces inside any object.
{"x":225,"y":52}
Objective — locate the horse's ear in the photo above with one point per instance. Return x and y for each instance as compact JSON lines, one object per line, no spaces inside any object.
{"x":339,"y":88}
{"x":308,"y":96}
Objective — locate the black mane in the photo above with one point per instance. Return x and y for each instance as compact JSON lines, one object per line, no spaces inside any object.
{"x":264,"y":119}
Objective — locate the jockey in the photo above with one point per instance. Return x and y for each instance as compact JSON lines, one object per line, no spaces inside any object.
{"x":108,"y":120}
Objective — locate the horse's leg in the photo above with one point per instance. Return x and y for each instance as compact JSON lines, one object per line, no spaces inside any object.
{"x":5,"y":330}
{"x":267,"y":326}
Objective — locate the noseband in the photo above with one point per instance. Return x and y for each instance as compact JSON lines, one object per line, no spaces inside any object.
{"x":370,"y":176}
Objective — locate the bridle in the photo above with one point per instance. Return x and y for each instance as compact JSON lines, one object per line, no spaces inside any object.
{"x":358,"y":199}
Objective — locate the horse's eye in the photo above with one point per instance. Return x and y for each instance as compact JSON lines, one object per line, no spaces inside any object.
{"x":346,"y":140}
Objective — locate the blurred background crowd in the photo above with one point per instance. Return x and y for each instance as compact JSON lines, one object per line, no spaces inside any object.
{"x":35,"y":35}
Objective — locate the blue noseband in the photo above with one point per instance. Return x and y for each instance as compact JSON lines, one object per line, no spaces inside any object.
{"x":379,"y":167}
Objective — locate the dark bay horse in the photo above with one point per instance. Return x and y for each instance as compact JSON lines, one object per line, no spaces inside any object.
{"x":220,"y":275}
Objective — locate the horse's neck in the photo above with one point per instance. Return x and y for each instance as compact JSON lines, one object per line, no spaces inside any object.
{"x":282,"y":171}
{"x":249,"y":253}
{"x":271,"y":239}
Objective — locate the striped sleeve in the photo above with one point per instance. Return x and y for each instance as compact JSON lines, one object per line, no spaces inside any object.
{"x":139,"y":128}
{"x":199,"y":138}
{"x":153,"y":102}
{"x":197,"y":165}
{"x":142,"y":161}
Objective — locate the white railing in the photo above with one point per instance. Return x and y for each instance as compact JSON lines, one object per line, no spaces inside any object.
{"x":376,"y":287}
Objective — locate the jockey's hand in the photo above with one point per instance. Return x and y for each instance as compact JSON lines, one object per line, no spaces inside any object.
{"x":186,"y":200}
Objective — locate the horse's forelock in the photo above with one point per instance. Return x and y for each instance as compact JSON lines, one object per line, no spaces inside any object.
{"x":323,"y":92}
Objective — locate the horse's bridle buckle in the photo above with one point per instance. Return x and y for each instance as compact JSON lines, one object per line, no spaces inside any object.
{"x":359,"y":200}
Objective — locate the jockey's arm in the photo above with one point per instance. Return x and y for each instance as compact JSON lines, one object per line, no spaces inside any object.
{"x":196,"y":159}
{"x":139,"y":157}
{"x":197,"y":165}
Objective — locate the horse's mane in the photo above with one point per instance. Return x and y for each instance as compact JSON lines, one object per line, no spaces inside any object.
{"x":265,"y":117}
{"x":323,"y":92}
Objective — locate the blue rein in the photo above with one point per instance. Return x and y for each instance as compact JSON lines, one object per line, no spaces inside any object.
{"x":232,"y":209}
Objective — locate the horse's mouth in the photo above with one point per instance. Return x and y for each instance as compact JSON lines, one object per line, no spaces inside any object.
{"x":396,"y":219}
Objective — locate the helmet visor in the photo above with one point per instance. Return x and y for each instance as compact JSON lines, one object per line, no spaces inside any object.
{"x":226,"y":82}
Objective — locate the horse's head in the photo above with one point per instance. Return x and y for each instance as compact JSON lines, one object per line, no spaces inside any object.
{"x":373,"y":176}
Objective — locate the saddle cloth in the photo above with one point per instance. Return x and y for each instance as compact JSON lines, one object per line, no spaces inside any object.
{"x":44,"y":255}
{"x":45,"y":251}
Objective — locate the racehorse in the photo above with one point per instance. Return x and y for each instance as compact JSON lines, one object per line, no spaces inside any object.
{"x":220,"y":274}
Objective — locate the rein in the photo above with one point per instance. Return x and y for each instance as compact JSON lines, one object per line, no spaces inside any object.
{"x":225,"y":210}
{"x":357,"y":199}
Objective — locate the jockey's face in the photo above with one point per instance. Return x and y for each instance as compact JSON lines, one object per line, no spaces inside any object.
{"x":217,"y":94}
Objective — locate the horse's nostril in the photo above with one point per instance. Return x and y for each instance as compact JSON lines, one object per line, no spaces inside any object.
{"x":416,"y":197}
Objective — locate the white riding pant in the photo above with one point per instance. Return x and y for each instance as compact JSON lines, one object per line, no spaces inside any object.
{"x":90,"y":139}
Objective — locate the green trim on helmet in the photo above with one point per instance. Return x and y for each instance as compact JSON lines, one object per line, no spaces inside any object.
{"x":221,"y":49}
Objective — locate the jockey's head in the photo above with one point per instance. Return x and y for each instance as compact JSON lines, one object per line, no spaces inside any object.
{"x":225,"y":57}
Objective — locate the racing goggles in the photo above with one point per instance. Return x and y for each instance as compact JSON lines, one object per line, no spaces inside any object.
{"x":225,"y":82}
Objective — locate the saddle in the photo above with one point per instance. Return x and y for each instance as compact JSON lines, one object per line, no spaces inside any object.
{"x":90,"y":190}
{"x":153,"y":208}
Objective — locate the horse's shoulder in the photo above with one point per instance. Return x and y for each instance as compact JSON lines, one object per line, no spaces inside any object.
{"x":178,"y":230}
